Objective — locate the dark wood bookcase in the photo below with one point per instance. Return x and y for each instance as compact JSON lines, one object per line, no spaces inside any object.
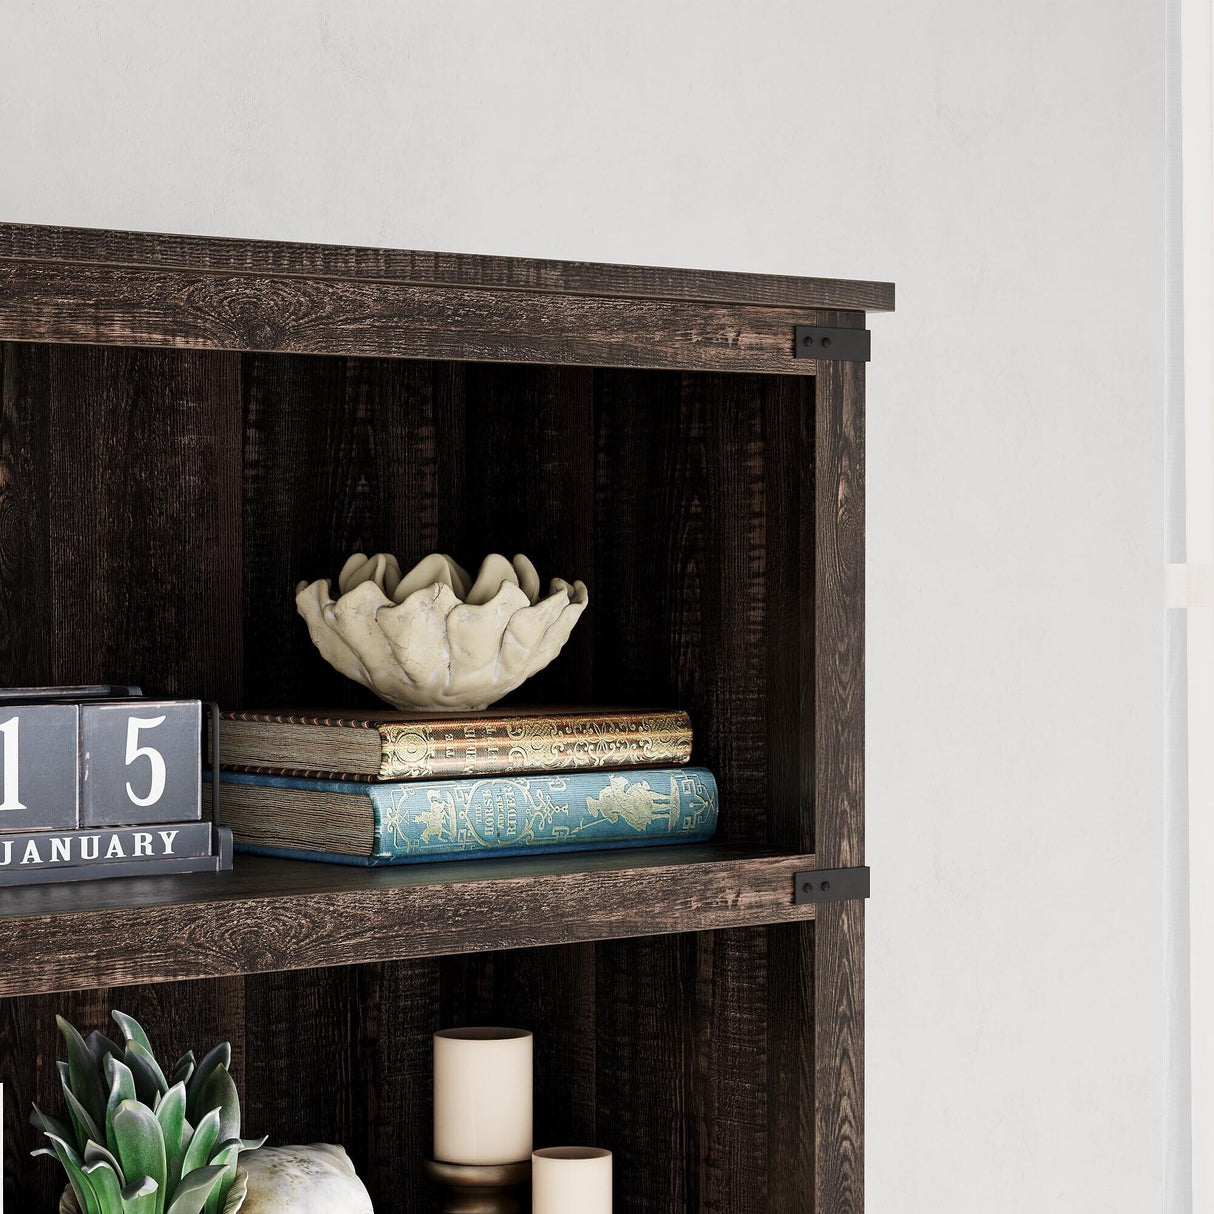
{"x":191,"y":425}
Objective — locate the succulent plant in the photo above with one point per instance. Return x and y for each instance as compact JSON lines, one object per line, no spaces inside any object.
{"x":138,"y":1141}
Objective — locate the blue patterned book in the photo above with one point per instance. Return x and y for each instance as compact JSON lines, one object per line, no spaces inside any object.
{"x":359,"y":823}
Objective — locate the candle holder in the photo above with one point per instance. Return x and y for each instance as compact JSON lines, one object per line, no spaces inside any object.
{"x":481,"y":1188}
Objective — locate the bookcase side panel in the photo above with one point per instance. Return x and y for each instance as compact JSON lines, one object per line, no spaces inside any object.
{"x":839,"y":784}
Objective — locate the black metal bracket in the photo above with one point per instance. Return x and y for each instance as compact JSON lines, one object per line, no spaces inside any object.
{"x":831,"y":885}
{"x":832,"y":345}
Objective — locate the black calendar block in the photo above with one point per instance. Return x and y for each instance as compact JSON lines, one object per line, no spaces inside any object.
{"x":39,"y":766}
{"x":141,"y":762}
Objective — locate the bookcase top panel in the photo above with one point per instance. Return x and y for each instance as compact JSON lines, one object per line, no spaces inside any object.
{"x":145,"y":250}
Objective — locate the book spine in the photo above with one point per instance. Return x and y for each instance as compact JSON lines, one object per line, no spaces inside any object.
{"x":493,"y":745}
{"x":460,"y":747}
{"x":45,"y":851}
{"x":522,"y":814}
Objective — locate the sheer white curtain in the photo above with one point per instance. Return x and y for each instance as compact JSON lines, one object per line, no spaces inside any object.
{"x":1189,"y":322}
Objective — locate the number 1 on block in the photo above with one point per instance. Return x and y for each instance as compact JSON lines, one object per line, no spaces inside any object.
{"x":39,"y":758}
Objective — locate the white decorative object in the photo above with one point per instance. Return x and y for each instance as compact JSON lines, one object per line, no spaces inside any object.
{"x":433,"y":639}
{"x":568,"y":1179}
{"x":482,"y":1095}
{"x":319,"y":1179}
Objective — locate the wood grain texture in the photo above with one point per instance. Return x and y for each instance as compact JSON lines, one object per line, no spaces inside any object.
{"x":119,"y":560}
{"x":730,"y":1092}
{"x":529,"y":449}
{"x":279,"y":914}
{"x":301,"y":1080}
{"x":839,"y":785}
{"x":789,"y":416}
{"x":398,"y":1015}
{"x":124,"y":467}
{"x":647,"y":1112}
{"x":681,"y":559}
{"x":54,"y":302}
{"x":26,"y":601}
{"x":275,"y":258}
{"x":340,"y":455}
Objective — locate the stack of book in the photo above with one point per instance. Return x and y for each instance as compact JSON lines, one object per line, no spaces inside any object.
{"x":389,"y":788}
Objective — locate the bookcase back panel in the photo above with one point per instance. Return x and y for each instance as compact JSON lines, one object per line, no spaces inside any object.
{"x":159,"y":508}
{"x":119,"y":533}
{"x":156,"y":511}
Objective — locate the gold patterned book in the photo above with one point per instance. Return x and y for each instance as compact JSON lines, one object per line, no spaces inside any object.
{"x":378,"y":746}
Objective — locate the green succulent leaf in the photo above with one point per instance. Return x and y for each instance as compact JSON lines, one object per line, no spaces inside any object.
{"x":73,"y":1165}
{"x":50,"y":1125}
{"x":140,"y":1143}
{"x":84,"y":1078}
{"x":84,"y":1126}
{"x":184,"y":1067}
{"x":132,"y":1031}
{"x":147,"y":1057}
{"x":220,"y":1056}
{"x":122,"y":1087}
{"x":220,"y":1093}
{"x":104,"y":1182}
{"x":149,"y":1082}
{"x":170,"y":1112}
{"x":202,"y":1144}
{"x":226,"y":1158}
{"x":227,"y":1150}
{"x":195,"y":1189}
{"x":100,"y":1045}
{"x":94,"y":1152}
{"x":142,"y":1197}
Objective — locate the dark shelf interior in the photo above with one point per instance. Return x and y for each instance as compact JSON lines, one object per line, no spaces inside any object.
{"x":159,"y":507}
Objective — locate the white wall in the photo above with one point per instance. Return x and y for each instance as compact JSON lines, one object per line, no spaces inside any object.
{"x":1002,"y":162}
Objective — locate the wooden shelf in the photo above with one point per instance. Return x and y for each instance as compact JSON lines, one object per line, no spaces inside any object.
{"x":273,"y":914}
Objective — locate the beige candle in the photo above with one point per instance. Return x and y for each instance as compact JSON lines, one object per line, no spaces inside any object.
{"x":571,"y":1180}
{"x":482,"y":1095}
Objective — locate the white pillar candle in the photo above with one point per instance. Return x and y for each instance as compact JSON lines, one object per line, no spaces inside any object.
{"x":482,"y":1095}
{"x":571,"y":1180}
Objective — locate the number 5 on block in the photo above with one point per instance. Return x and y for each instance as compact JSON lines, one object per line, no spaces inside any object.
{"x":142,"y":762}
{"x":38,"y":767}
